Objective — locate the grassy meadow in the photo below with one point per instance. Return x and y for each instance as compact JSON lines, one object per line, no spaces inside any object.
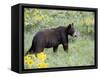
{"x":81,"y":48}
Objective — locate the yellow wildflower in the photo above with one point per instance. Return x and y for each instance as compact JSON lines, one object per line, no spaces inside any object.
{"x":30,"y":63}
{"x":42,"y":65}
{"x":31,"y":60}
{"x":41,"y":56}
{"x":26,"y":58}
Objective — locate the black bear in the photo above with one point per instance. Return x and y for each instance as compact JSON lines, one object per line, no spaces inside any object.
{"x":51,"y":38}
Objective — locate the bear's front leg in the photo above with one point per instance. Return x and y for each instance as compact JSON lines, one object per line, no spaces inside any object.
{"x":65,"y":47}
{"x":55,"y":48}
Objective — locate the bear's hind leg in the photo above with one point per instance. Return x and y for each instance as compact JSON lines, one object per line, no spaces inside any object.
{"x":38,"y":50}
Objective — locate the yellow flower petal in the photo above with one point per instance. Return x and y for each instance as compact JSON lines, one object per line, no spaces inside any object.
{"x":30,"y":63}
{"x":26,"y":58}
{"x":42,"y":65}
{"x":42,"y":56}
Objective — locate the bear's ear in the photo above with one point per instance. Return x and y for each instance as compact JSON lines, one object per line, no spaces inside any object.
{"x":69,"y":26}
{"x":72,"y":24}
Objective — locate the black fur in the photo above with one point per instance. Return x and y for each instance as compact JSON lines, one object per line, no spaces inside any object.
{"x":51,"y":38}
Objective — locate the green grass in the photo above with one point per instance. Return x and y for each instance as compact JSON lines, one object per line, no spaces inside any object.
{"x":80,"y":53}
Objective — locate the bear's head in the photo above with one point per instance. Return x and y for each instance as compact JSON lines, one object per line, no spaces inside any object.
{"x":71,"y":30}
